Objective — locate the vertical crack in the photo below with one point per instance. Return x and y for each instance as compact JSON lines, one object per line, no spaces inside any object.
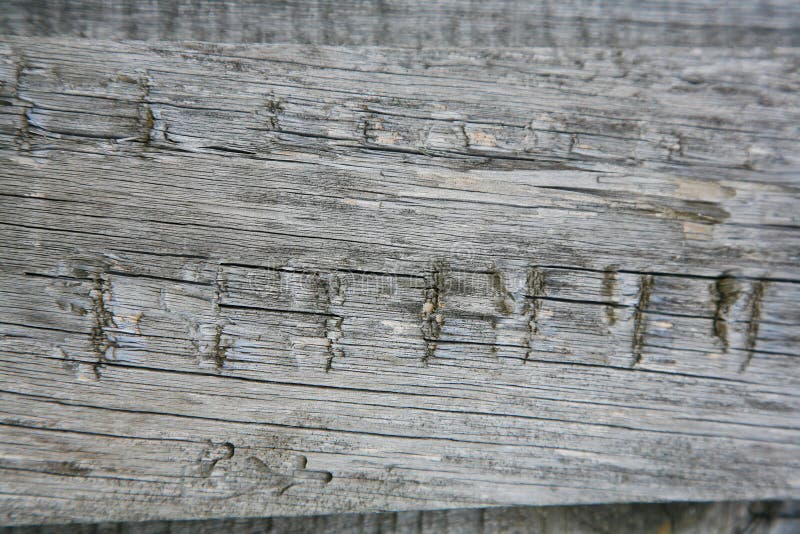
{"x":333,"y":333}
{"x":146,"y":112}
{"x":724,"y":291}
{"x":218,"y":349}
{"x":103,"y":319}
{"x":646,"y":283}
{"x":534,"y":284}
{"x":333,"y":290}
{"x":432,"y":309}
{"x":607,"y":290}
{"x":504,"y":300}
{"x":754,"y":303}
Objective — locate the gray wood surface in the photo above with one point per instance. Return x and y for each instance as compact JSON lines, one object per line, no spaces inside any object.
{"x":276,"y":280}
{"x":415,"y":23}
{"x":673,"y":518}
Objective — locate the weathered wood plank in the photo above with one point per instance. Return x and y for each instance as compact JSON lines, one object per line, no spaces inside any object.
{"x":413,"y":23}
{"x":672,"y":518}
{"x":299,"y":280}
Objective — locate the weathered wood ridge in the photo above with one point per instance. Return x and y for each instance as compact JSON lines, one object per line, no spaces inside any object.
{"x":295,"y":280}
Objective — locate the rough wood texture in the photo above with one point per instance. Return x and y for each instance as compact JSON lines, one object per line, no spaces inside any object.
{"x":298,"y":280}
{"x":415,"y":23}
{"x":674,"y":518}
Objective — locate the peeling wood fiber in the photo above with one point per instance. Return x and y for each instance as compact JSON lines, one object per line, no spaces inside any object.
{"x":286,"y":280}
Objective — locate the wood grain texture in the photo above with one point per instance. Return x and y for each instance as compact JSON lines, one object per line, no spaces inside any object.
{"x":276,"y":280}
{"x":415,"y":23}
{"x":672,"y":518}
